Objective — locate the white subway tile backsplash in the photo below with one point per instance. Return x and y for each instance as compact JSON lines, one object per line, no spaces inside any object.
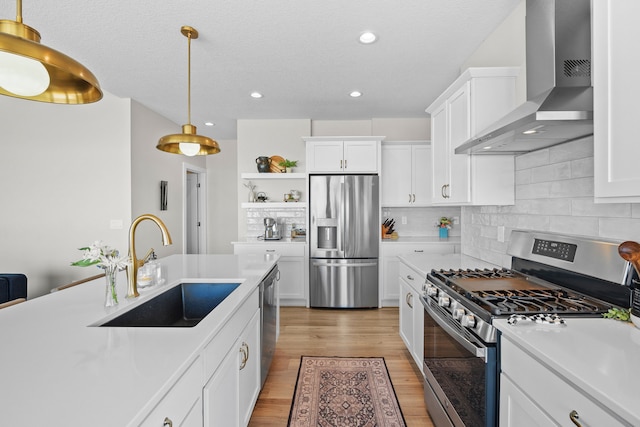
{"x":541,"y":190}
{"x":523,"y":177}
{"x":586,"y":207}
{"x":577,"y":187}
{"x":583,"y":226}
{"x":531,"y":160}
{"x":579,"y":149}
{"x":582,"y":167}
{"x":553,"y":172}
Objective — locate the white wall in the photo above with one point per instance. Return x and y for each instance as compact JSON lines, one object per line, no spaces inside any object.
{"x":222,"y":188}
{"x":64,"y":175}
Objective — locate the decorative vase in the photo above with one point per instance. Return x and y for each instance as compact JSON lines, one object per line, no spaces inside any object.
{"x":111,"y":292}
{"x":444,"y":232}
{"x":264,"y":164}
{"x":288,"y":170}
{"x":252,"y":196}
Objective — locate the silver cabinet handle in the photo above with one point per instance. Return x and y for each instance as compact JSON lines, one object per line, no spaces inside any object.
{"x":418,"y":250}
{"x":414,"y":198}
{"x":340,"y":164}
{"x":447,"y":191}
{"x":410,"y":277}
{"x":270,"y":250}
{"x":244,"y":349}
{"x":573,"y":416}
{"x":409,"y":197}
{"x":409,"y":299}
{"x":442,"y":192}
{"x":345,"y":163}
{"x":167,"y":422}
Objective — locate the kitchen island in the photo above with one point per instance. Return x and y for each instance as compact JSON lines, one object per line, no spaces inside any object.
{"x":59,"y":368}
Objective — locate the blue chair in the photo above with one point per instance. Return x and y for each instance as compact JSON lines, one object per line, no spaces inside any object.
{"x":12,"y":286}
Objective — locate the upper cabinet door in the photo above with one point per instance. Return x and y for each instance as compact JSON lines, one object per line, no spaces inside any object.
{"x":421,"y":174}
{"x":396,"y":175}
{"x":459,"y":132}
{"x":325,"y":156}
{"x":440,"y":158}
{"x":361,"y":156}
{"x":616,"y":93}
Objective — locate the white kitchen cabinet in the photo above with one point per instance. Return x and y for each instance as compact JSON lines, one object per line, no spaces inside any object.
{"x":343,"y":154}
{"x":292,"y":264}
{"x":182,"y":405}
{"x":232,"y":390}
{"x":406,"y":174}
{"x":479,"y":97}
{"x":531,"y":394}
{"x":616,"y":91}
{"x":391,"y":265}
{"x":411,"y":312}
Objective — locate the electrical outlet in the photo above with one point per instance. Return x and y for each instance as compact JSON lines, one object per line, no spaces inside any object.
{"x":404,"y":220}
{"x":501,"y":233}
{"x":456,"y":220}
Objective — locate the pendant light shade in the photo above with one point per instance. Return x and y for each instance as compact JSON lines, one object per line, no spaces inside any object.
{"x":30,"y":70}
{"x":188,"y":142}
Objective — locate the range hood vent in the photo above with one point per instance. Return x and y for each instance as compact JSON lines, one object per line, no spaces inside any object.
{"x":559,"y":105}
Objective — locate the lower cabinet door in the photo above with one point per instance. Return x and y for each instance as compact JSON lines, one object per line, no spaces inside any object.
{"x":221,"y":407}
{"x":407,"y":306}
{"x":232,"y":392}
{"x":517,"y":410}
{"x":249,"y":369}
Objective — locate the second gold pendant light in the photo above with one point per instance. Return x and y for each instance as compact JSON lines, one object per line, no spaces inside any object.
{"x":188,"y":142}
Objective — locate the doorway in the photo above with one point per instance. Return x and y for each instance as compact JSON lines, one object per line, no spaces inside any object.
{"x":194,"y":203}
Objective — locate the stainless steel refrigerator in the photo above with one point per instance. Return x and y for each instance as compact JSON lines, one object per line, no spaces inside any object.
{"x":344,"y":237}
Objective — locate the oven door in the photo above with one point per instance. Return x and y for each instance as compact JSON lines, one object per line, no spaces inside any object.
{"x":460,"y":372}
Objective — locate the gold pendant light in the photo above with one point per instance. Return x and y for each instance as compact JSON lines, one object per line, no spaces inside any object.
{"x":30,"y":70}
{"x":188,"y":142}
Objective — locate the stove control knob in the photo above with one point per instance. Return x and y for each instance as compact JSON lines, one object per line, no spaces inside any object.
{"x":468,"y":321}
{"x":458,"y":313}
{"x":432,"y":291}
{"x":444,"y":301}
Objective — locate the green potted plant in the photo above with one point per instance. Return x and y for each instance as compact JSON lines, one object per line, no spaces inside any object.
{"x":288,"y":165}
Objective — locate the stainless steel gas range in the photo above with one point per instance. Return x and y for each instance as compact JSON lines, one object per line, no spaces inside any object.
{"x":552,"y":277}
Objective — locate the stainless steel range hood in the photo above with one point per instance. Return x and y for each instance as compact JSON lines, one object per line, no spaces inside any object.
{"x":559,"y":105}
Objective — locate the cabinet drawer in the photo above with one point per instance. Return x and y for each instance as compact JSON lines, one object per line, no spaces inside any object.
{"x":389,"y":249}
{"x":551,"y":392}
{"x":411,"y":277}
{"x":282,"y":249}
{"x":215,"y":351}
{"x":179,"y":402}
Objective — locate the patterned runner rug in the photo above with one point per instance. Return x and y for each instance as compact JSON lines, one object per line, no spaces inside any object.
{"x":344,"y":392}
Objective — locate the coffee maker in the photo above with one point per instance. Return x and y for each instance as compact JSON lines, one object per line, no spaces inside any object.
{"x":271,"y":229}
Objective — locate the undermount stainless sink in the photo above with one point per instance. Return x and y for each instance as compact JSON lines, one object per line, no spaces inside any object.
{"x":184,"y":305}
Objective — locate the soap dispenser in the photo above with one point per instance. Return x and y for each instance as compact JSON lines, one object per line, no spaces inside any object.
{"x":148,"y":273}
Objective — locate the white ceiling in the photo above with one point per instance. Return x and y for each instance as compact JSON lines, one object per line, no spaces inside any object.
{"x":303,"y":55}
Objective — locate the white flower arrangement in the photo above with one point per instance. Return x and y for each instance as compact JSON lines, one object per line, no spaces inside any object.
{"x":102,"y":256}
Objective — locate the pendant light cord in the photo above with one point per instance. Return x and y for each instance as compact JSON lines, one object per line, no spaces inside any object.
{"x":189,"y":81}
{"x":19,"y":11}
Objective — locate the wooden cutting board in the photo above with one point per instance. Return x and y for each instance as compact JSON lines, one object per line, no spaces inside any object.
{"x":275,"y":164}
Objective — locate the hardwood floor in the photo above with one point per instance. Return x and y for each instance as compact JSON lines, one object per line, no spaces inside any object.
{"x":320,"y":332}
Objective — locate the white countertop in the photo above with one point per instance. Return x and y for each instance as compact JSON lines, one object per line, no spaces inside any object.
{"x":599,"y":356}
{"x":424,"y":262}
{"x":59,"y":370}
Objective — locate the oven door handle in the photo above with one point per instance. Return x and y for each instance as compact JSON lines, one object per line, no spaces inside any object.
{"x":468,"y":345}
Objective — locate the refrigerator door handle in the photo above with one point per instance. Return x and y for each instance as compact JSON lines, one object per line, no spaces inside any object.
{"x":343,"y":215}
{"x":348,"y":264}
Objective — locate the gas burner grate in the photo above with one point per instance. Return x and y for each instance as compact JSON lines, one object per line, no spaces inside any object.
{"x":536,"y":301}
{"x":496,"y":273}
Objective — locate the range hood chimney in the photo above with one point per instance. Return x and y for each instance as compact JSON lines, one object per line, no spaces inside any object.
{"x":559,"y":105}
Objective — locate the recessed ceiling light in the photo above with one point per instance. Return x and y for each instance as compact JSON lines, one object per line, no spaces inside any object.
{"x":488,"y":147}
{"x":256,"y":95}
{"x":355,"y":94}
{"x":368,"y":37}
{"x":209,"y":124}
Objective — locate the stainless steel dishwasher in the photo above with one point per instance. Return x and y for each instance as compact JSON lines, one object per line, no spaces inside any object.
{"x":268,"y":320}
